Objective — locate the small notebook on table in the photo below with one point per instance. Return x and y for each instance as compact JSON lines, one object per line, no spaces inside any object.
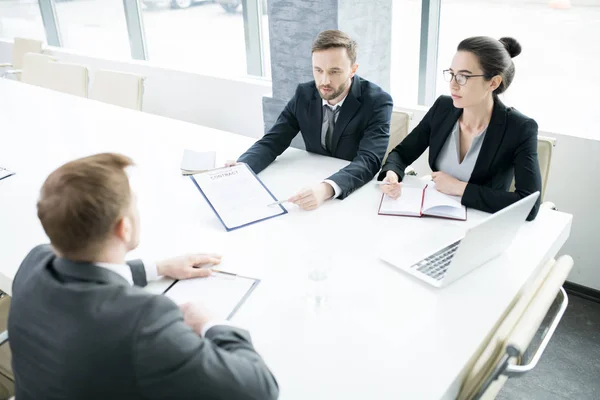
{"x":421,"y":198}
{"x":195,"y":162}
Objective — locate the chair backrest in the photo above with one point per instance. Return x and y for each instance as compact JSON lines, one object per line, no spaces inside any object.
{"x":68,"y":78}
{"x":6,"y":374}
{"x":22,"y":46}
{"x":545,"y":148}
{"x":118,"y":88}
{"x":398,"y":130}
{"x":35,"y":68}
{"x":516,"y":328}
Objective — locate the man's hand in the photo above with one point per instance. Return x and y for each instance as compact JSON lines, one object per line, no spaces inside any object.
{"x":393,"y":188}
{"x":231,"y":163}
{"x":312,"y":198}
{"x":196,"y":316}
{"x":448,"y":184}
{"x":188,"y":266}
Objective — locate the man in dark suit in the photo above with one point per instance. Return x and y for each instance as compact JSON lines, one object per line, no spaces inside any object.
{"x":339,"y":114}
{"x":81,"y":328}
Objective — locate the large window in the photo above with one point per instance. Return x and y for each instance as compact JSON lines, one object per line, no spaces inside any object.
{"x":406,"y":25}
{"x":205,"y":37}
{"x":214,"y":37}
{"x":555,"y":81}
{"x":94,"y":27}
{"x":21,"y":18}
{"x":266,"y":46}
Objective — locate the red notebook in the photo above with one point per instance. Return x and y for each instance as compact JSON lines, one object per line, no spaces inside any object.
{"x":420,"y":198}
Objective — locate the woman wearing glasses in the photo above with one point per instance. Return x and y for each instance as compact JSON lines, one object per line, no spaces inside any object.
{"x":476,"y":144}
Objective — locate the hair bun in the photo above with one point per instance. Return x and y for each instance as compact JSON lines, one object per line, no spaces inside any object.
{"x":511,"y":45}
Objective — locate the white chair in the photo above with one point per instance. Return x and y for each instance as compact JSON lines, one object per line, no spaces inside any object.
{"x":21,"y":46}
{"x":35,"y":69}
{"x":398,"y":130}
{"x":7,"y":379}
{"x":118,"y":88}
{"x":68,"y":78}
{"x":533,"y":315}
{"x":545,"y":149}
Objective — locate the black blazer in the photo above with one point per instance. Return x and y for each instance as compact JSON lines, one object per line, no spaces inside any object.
{"x":361,"y":132}
{"x":509,"y":150}
{"x":79,"y":331}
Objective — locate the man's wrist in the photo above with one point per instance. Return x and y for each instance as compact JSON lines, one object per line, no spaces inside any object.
{"x":333,"y":190}
{"x":160,"y":268}
{"x":151,"y":269}
{"x":329,"y":192}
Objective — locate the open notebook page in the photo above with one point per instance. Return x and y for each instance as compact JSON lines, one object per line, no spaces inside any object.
{"x":442,"y":205}
{"x":410,"y":200}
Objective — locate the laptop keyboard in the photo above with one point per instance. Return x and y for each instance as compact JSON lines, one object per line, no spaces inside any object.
{"x":437,"y":264}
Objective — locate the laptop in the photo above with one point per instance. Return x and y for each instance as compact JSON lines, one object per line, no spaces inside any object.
{"x":453,"y":260}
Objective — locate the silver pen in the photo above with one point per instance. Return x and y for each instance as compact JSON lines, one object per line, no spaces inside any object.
{"x":277,"y":203}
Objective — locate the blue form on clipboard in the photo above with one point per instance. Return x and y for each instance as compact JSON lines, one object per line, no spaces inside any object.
{"x":237,"y":196}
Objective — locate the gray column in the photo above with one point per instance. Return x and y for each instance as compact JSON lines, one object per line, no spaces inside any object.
{"x":293,"y":25}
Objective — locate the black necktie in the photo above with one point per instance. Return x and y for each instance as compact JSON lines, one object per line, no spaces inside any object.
{"x":330,"y":115}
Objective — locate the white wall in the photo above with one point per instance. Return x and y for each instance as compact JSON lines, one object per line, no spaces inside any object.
{"x":235,"y":105}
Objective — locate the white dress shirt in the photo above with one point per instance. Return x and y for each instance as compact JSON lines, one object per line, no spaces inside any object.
{"x":336,"y":189}
{"x":151,"y":275}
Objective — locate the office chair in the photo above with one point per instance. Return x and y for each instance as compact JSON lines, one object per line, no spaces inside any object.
{"x":399,"y":126}
{"x":7,"y":380}
{"x":118,"y":88}
{"x":519,"y":339}
{"x":67,"y":78}
{"x":21,"y":46}
{"x":545,"y":149}
{"x":35,"y":70}
{"x":398,"y":130}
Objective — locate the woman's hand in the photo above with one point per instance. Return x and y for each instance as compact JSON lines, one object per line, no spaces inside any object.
{"x":393,"y":187}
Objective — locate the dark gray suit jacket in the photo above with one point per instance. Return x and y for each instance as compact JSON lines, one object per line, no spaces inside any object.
{"x":361,"y":133}
{"x":78,"y":331}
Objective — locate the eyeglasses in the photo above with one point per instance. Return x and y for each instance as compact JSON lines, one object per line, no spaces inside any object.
{"x":461,"y":79}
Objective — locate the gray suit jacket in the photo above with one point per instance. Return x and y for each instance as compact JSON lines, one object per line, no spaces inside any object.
{"x":78,"y":331}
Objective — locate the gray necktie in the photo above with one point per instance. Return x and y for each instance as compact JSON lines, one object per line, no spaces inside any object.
{"x":329,"y":114}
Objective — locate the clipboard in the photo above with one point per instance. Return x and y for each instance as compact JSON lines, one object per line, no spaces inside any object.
{"x":279,"y":207}
{"x":235,"y":302}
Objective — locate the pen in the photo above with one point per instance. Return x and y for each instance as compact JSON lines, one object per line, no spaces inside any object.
{"x":277,"y":203}
{"x":404,"y":185}
{"x":223,"y":272}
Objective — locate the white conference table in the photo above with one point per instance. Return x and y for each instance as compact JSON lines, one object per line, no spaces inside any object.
{"x":378,"y":334}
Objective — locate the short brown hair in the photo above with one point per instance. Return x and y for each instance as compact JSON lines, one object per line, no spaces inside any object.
{"x":81,"y":202}
{"x":333,"y":38}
